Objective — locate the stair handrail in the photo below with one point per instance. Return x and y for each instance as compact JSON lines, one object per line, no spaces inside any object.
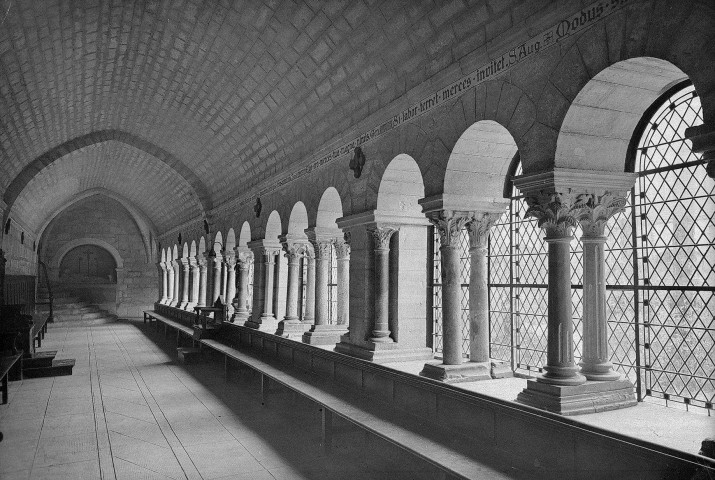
{"x":50,"y":317}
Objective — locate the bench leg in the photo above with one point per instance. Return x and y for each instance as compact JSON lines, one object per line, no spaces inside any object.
{"x":4,"y":389}
{"x":225,"y":368}
{"x":144,"y":318}
{"x":264,"y":388}
{"x":39,"y":341}
{"x":178,"y":339}
{"x":326,"y":431}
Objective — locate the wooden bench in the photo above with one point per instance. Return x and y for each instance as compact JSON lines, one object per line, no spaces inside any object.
{"x":423,"y":440}
{"x":6,"y":364}
{"x":151,"y":315}
{"x":39,"y":329}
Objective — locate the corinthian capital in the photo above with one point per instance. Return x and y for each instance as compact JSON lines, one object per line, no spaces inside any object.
{"x":449,"y":224}
{"x":342,"y":246}
{"x":296,"y":250}
{"x":382,"y":236}
{"x":554,"y":211}
{"x":479,"y":228}
{"x":594,"y":211}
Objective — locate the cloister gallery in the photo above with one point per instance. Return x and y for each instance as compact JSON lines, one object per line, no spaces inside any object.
{"x":489,"y":224}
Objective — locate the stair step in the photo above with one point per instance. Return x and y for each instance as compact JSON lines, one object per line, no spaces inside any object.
{"x":40,"y":359}
{"x":58,"y":368}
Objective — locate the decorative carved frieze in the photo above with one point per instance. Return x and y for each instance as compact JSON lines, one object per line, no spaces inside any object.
{"x":449,"y":224}
{"x":593,"y":211}
{"x":479,"y":228}
{"x":381,"y":236}
{"x":294,"y":251}
{"x":322,"y":248}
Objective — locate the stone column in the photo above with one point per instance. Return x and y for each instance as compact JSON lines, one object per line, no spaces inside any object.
{"x":322,"y":332}
{"x":554,"y":213}
{"x":381,"y":238}
{"x":230,"y":274}
{"x":171,"y":300}
{"x":309,"y":315}
{"x":264,"y":254}
{"x":225,"y":279}
{"x":239,"y":302}
{"x":449,"y":225}
{"x":291,"y":326}
{"x":185,"y":283}
{"x":202,"y":261}
{"x":164,"y":283}
{"x":195,"y":279}
{"x":218,"y":272}
{"x":342,"y":250}
{"x":593,"y":216}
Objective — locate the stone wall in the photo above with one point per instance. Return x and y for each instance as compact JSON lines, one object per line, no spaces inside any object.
{"x":100,"y":220}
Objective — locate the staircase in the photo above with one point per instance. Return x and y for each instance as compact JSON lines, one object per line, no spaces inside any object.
{"x":70,"y":308}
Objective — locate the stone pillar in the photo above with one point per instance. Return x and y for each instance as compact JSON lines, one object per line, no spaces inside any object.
{"x":291,"y":326}
{"x":593,"y":216}
{"x":558,"y":200}
{"x":265,"y":255}
{"x":381,"y":238}
{"x":218,"y":273}
{"x":195,"y":279}
{"x":241,"y":299}
{"x":230,"y":274}
{"x":202,"y":261}
{"x":164,"y":283}
{"x":449,"y":225}
{"x":309,"y":315}
{"x":479,"y":229}
{"x":322,"y":332}
{"x":342,"y":250}
{"x":173,"y":284}
{"x":224,"y":280}
{"x":186,"y":278}
{"x":554,"y":213}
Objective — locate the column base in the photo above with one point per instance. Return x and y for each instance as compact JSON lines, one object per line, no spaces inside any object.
{"x":324,"y":334}
{"x":383,"y":352}
{"x":182,"y":306}
{"x":500,"y":369}
{"x":464,"y":372}
{"x":240,"y":316}
{"x":189,"y":307}
{"x":290,"y":329}
{"x":264,"y":324}
{"x":590,"y":397}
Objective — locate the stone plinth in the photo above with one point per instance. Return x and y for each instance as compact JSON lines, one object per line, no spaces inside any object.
{"x":292,"y":330}
{"x":463,"y":372}
{"x":590,"y":397}
{"x":323,"y":334}
{"x":384,"y":352}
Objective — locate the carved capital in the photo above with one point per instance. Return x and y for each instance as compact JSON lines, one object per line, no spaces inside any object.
{"x":230,"y":260}
{"x":554,"y":211}
{"x":479,"y":229}
{"x":294,"y":251}
{"x":381,"y":236}
{"x":594,"y":211}
{"x":342,"y":247}
{"x":322,"y":248}
{"x":201,"y":261}
{"x":449,"y":224}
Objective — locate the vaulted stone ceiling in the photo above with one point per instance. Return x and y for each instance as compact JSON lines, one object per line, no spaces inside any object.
{"x":230,"y":91}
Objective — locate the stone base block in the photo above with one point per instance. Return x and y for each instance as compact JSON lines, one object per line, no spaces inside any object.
{"x":324,"y":334}
{"x":269,"y":325}
{"x":465,"y":372}
{"x":292,"y":330}
{"x":500,"y":369}
{"x":590,"y":397}
{"x":384,"y":352}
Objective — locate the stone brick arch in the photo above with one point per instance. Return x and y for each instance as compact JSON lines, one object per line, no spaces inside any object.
{"x":598,"y":126}
{"x":34,"y":167}
{"x":244,"y":235}
{"x":78,"y":242}
{"x":185,"y":251}
{"x":476,"y":169}
{"x":641,"y":47}
{"x":273,"y":228}
{"x":329,"y":210}
{"x":298,"y":220}
{"x":142,"y":222}
{"x":401,"y":187}
{"x":192,"y":249}
{"x":230,"y":240}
